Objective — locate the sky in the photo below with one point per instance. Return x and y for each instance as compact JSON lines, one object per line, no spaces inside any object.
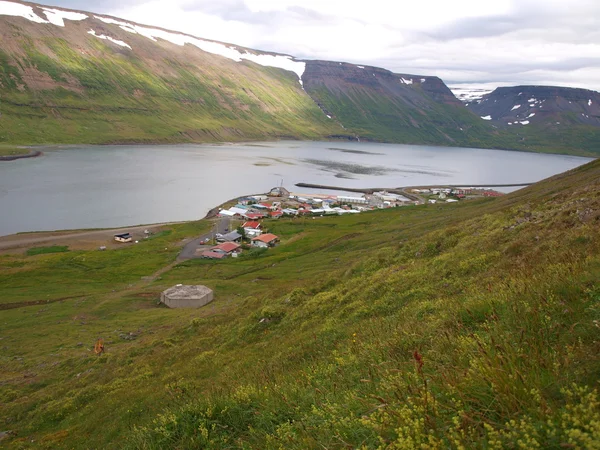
{"x":477,"y":43}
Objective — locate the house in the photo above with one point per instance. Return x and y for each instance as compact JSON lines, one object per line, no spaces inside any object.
{"x":253,"y":224}
{"x":227,"y":248}
{"x":226,"y":213}
{"x":213,"y":255}
{"x":233,"y":236}
{"x":253,"y":216}
{"x":252,"y":228}
{"x":352,"y":200}
{"x":276,"y":214}
{"x":238,"y":211}
{"x":265,"y":240}
{"x":125,"y":237}
{"x":252,"y":232}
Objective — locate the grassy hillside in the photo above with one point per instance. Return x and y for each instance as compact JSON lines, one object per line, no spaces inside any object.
{"x":376,"y":104}
{"x":62,"y":85}
{"x":576,"y":139}
{"x":380,"y":117}
{"x":470,"y":325}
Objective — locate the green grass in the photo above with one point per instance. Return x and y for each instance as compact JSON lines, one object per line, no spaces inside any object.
{"x":9,"y":150}
{"x":45,"y":250}
{"x":104,"y":97}
{"x":468,"y":325}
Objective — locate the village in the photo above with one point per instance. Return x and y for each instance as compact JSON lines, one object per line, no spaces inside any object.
{"x":241,"y":228}
{"x":240,"y":224}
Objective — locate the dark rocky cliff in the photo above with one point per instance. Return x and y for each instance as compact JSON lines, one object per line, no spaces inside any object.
{"x":540,"y":105}
{"x":337,"y":76}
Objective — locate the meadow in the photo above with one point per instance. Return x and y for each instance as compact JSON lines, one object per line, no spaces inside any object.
{"x":467,"y":325}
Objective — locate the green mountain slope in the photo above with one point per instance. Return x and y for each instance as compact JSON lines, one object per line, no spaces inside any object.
{"x":64,"y":85}
{"x":469,"y":325}
{"x":379,"y":105}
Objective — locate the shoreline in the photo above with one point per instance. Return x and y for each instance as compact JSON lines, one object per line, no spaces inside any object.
{"x":32,"y":154}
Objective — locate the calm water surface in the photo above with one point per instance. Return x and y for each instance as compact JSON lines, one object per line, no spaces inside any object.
{"x":112,"y":186}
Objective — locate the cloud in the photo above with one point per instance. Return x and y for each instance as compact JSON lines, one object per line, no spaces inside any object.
{"x":495,"y":41}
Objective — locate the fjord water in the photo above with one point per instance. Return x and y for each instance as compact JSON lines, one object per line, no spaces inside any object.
{"x":113,"y":186}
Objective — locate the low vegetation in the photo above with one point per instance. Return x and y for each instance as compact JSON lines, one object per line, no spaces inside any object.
{"x":45,"y":250}
{"x":10,"y":150}
{"x":98,"y":96}
{"x":466,"y":325}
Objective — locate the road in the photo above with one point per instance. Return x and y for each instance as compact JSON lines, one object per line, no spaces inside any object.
{"x":189,"y":250}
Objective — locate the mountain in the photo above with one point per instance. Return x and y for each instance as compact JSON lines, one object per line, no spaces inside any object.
{"x":526,"y":105}
{"x":71,"y":77}
{"x":554,"y":117}
{"x":380,"y":105}
{"x":76,"y":77}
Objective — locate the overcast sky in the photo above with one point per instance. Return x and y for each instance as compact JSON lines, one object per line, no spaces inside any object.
{"x":497,"y":42}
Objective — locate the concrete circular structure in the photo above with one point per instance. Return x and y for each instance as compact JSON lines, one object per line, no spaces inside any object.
{"x":185,"y":296}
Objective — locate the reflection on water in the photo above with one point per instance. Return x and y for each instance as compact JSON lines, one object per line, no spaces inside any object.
{"x":110,"y":186}
{"x":355,"y":152}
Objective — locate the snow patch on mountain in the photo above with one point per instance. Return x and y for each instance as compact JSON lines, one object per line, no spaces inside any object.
{"x":515,"y":107}
{"x":279,"y":61}
{"x":116,"y":41}
{"x":530,"y":115}
{"x":57,"y":17}
{"x":469,"y":94}
{"x":405,"y":81}
{"x":486,"y":117}
{"x":18,"y":10}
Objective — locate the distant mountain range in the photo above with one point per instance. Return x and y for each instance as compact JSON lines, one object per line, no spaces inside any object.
{"x":76,"y":77}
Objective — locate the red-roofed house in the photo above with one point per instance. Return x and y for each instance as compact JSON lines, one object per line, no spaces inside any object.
{"x":265,"y":240}
{"x":227,"y":248}
{"x":276,"y":214}
{"x":213,"y":255}
{"x":254,"y":224}
{"x":253,"y":216}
